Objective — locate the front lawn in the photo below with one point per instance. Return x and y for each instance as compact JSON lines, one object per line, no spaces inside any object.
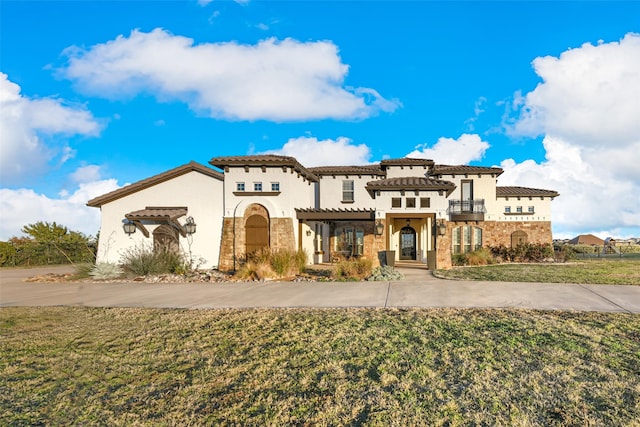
{"x":601,"y":271}
{"x":89,"y":366}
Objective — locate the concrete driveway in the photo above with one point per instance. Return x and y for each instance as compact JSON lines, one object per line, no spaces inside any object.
{"x":418,"y":289}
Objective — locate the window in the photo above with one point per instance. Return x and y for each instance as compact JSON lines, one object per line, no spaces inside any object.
{"x":466,"y":238}
{"x":410,"y":202}
{"x":349,"y":241}
{"x":318,"y":242}
{"x":275,"y":186}
{"x":519,"y":209}
{"x":531,"y":209}
{"x":425,"y":202}
{"x":347,"y":191}
{"x":507,"y":209}
{"x":477,"y":238}
{"x":240,"y":186}
{"x":257,"y":186}
{"x":467,"y":190}
{"x":396,"y":202}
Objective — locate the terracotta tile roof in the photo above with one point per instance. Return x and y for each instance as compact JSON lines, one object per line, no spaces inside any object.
{"x":157,"y":213}
{"x":462,"y":169}
{"x":263,"y":160}
{"x":347,"y":170}
{"x":524,"y":192}
{"x":154,"y":180}
{"x":410,"y":183}
{"x":406,"y":161}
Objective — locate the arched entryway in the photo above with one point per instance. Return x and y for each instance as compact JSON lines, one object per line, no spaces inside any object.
{"x":407,"y":243}
{"x":165,"y":238}
{"x":257,"y":232}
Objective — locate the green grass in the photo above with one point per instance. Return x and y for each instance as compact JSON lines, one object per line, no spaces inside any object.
{"x":605,"y":271}
{"x":88,"y":366}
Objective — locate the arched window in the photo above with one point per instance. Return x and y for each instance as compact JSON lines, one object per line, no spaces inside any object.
{"x":466,"y":238}
{"x":518,"y":238}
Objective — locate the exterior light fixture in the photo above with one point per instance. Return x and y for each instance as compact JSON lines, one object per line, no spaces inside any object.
{"x":379,"y":228}
{"x":308,"y":232}
{"x":442,"y":228}
{"x":190,"y":225}
{"x":129,"y":227}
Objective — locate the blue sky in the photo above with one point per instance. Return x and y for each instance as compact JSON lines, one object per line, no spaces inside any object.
{"x":96,"y":95}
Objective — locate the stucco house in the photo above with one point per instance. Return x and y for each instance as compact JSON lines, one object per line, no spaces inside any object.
{"x":410,"y":209}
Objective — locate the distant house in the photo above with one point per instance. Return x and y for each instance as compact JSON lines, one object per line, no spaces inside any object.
{"x":411,"y":209}
{"x":586,"y":239}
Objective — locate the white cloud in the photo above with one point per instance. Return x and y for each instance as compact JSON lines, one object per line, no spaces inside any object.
{"x":277,"y":80}
{"x":588,"y":107}
{"x":310,"y":151}
{"x":26,"y":125}
{"x":84,"y":174}
{"x":461,"y":151}
{"x":24,"y":206}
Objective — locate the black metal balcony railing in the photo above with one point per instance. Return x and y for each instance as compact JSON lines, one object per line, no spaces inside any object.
{"x":467,"y":210}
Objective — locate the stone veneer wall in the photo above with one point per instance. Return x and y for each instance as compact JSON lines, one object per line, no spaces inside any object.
{"x":281,"y":236}
{"x":494,"y":233}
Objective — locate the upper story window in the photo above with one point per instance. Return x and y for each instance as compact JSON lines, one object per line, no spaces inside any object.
{"x":239,"y":186}
{"x":466,"y":190}
{"x":347,"y":191}
{"x":531,"y":209}
{"x":257,"y":186}
{"x":275,"y":186}
{"x":396,"y":202}
{"x":425,"y":202}
{"x":410,"y":202}
{"x":519,"y":209}
{"x":507,"y":209}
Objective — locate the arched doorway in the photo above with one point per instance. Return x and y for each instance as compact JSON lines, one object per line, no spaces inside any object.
{"x":407,"y":243}
{"x":165,"y":238}
{"x":257,"y":232}
{"x":518,"y":238}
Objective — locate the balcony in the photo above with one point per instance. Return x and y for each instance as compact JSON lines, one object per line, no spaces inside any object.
{"x":466,"y":210}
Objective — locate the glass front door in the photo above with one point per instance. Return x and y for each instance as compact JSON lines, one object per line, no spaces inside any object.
{"x":408,"y":244}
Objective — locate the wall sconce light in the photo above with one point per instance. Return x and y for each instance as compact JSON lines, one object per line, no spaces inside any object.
{"x":379,"y":228}
{"x":442,"y":228}
{"x":308,"y":233}
{"x":129,"y":227}
{"x":190,"y":226}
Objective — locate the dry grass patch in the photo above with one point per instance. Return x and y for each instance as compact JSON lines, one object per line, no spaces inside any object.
{"x":604,"y":271}
{"x":71,"y":366}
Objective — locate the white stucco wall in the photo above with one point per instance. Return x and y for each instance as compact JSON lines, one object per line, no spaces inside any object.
{"x":201,"y":194}
{"x":541,"y":208}
{"x":331,"y":192}
{"x":295,"y":191}
{"x":406,"y":170}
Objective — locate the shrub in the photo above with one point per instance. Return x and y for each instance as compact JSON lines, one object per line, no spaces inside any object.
{"x":479,"y":257}
{"x":459,"y":259}
{"x":145,"y":260}
{"x":264,"y":264}
{"x":526,"y":252}
{"x":353,"y":269}
{"x":105,"y":271}
{"x":385,"y":273}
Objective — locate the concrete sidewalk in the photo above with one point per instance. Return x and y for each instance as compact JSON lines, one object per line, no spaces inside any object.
{"x":418,"y":289}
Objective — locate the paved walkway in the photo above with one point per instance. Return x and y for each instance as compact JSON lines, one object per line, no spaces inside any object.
{"x":418,"y":289}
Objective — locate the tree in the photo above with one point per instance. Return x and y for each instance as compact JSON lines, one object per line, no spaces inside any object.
{"x":71,"y":244}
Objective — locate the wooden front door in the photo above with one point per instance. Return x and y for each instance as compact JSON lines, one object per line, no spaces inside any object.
{"x":257,"y":232}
